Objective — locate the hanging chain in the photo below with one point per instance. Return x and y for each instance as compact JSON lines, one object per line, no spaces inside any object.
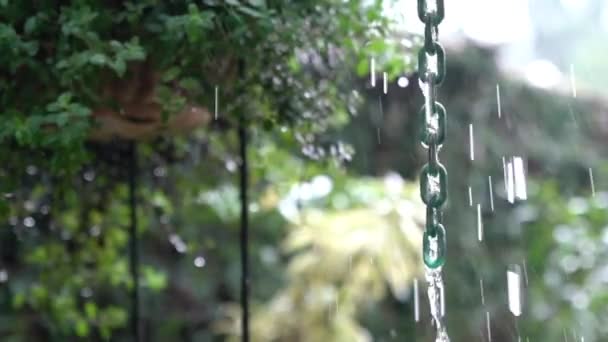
{"x":433,"y":179}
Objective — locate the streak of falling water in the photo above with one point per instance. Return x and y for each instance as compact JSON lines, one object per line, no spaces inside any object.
{"x":384,"y":83}
{"x":471,"y":142}
{"x":479,"y":224}
{"x":572,"y":80}
{"x":498,"y":104}
{"x":488,"y":327}
{"x":591,"y":182}
{"x":491,"y":193}
{"x":372,"y":73}
{"x":520,"y":178}
{"x":515,"y":179}
{"x":416,"y":301}
{"x":483,"y":298}
{"x":217,"y":102}
{"x":525,"y":272}
{"x":514,"y":290}
{"x":437,"y":302}
{"x":470,"y":197}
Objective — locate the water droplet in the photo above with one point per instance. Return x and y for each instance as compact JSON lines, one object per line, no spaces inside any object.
{"x":160,"y":171}
{"x":177,"y":242}
{"x":479,"y":224}
{"x":372,"y":73}
{"x":434,"y":247}
{"x":471,"y":142}
{"x":3,"y":276}
{"x":416,"y":301}
{"x":498,"y":101}
{"x":31,"y":170}
{"x":86,"y":292}
{"x":488,"y":326}
{"x":385,"y":83}
{"x":29,"y":222}
{"x":95,"y":231}
{"x":403,"y":82}
{"x":483,"y":298}
{"x":89,"y":175}
{"x":29,"y":205}
{"x":572,"y":81}
{"x":199,"y":261}
{"x":514,"y":290}
{"x":591,"y":182}
{"x":45,"y":209}
{"x":230,"y":165}
{"x":491,"y":193}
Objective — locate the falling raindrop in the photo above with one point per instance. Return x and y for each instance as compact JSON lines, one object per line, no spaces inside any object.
{"x":403,"y":82}
{"x":384,"y":83}
{"x":525,"y":272}
{"x":519,"y":178}
{"x":199,"y":261}
{"x":591,"y":182}
{"x":373,"y":72}
{"x":479,"y":224}
{"x":498,"y":101}
{"x":31,"y":170}
{"x":29,"y":222}
{"x":572,"y":80}
{"x":416,"y":301}
{"x":514,"y":290}
{"x":515,"y":179}
{"x":3,"y":276}
{"x":89,"y":175}
{"x":470,"y":197}
{"x":488,"y":327}
{"x":231,"y":165}
{"x":86,"y":292}
{"x":160,"y":171}
{"x":491,"y":193}
{"x":178,"y":243}
{"x":471,"y":142}
{"x":483,"y":299}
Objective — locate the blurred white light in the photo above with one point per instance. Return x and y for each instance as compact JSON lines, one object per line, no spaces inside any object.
{"x":495,"y":22}
{"x":199,"y":262}
{"x":321,"y":185}
{"x":514,"y":291}
{"x":403,"y":82}
{"x":574,"y":5}
{"x":543,"y":74}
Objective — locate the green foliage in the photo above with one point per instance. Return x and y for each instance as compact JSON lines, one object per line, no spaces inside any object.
{"x":64,"y":203}
{"x":565,"y":238}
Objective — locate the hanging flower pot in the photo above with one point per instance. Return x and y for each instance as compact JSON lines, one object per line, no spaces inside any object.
{"x":136,"y":112}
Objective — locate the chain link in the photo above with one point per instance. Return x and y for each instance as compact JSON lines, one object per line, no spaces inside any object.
{"x":433,"y":177}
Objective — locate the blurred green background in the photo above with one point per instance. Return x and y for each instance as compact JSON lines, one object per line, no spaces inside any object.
{"x":336,"y":219}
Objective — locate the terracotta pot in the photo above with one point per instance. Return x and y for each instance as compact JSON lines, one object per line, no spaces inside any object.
{"x":140,"y":117}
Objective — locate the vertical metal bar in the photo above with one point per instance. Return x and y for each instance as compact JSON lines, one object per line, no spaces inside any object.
{"x":133,"y":242}
{"x":244,"y":233}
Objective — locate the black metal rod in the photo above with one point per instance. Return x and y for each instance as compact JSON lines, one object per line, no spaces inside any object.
{"x":133,"y":242}
{"x":244,"y":236}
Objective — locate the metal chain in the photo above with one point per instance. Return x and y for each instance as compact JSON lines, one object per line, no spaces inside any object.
{"x":433,"y":179}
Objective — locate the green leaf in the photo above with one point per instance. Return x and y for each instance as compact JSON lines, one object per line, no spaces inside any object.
{"x":90,"y":309}
{"x":98,"y":59}
{"x":82,"y":328}
{"x":155,"y":280}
